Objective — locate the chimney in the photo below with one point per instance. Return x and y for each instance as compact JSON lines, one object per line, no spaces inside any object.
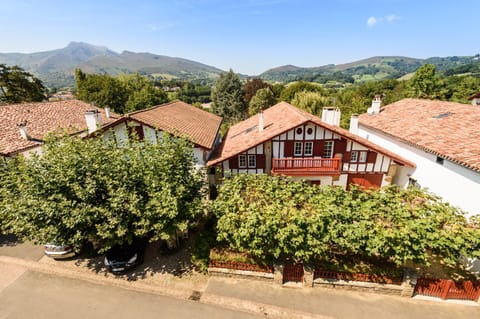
{"x":354,"y":124}
{"x":331,"y":115}
{"x":260,"y":121}
{"x":23,"y":130}
{"x":376,"y":104}
{"x":93,"y":120}
{"x":107,"y":112}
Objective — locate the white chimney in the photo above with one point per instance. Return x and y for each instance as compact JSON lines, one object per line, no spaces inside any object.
{"x":354,"y":124}
{"x":260,"y":121}
{"x":107,"y":112}
{"x":376,"y":104}
{"x":93,"y":119}
{"x":331,"y":115}
{"x":23,"y":130}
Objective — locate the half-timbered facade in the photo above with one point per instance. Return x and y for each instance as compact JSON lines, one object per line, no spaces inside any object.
{"x":175,"y":118}
{"x":284,"y":140}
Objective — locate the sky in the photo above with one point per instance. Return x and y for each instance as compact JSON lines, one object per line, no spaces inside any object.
{"x":248,"y":36}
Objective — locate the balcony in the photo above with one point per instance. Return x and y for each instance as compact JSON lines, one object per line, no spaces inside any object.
{"x":313,"y":166}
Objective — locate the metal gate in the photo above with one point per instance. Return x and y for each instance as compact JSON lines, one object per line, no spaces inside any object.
{"x":448,"y":289}
{"x":293,"y":273}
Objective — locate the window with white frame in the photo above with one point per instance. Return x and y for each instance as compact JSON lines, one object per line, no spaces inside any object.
{"x":362,"y":158}
{"x":252,"y":161}
{"x":354,"y":156}
{"x":328,"y":149}
{"x":298,"y":149}
{"x":308,"y":149}
{"x":242,"y":161}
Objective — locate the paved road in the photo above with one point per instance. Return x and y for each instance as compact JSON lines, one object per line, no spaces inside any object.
{"x":341,"y":304}
{"x":37,"y":295}
{"x":11,"y":246}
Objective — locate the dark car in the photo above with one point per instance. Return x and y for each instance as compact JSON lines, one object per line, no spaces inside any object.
{"x":121,"y":258}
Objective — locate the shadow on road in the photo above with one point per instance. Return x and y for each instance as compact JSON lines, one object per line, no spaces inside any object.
{"x":9,"y":240}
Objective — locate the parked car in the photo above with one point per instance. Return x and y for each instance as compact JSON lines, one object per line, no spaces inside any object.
{"x":58,"y":251}
{"x":121,"y":258}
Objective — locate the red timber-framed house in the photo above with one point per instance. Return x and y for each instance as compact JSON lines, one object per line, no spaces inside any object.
{"x":284,"y":140}
{"x":176,"y":118}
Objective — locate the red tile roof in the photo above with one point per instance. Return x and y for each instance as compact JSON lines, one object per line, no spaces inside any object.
{"x":277,"y":120}
{"x":447,"y":129}
{"x":180,"y":119}
{"x":41,"y":119}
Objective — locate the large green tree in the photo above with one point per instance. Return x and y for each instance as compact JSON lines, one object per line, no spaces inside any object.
{"x":279,"y":218}
{"x":18,"y":86}
{"x":125,"y":93}
{"x":251,"y":87}
{"x":87,"y":190}
{"x":227,"y":98}
{"x":426,"y":84}
{"x":312,"y":102}
{"x":262,"y":100}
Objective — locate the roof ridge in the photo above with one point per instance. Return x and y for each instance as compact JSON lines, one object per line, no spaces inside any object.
{"x":154,"y":107}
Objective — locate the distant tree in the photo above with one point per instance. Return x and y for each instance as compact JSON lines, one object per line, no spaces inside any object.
{"x":227,"y":98}
{"x":312,"y":102}
{"x":425,"y":83}
{"x":262,"y":100}
{"x":141,"y":92}
{"x":290,"y":90}
{"x":251,"y":87}
{"x":123,"y":94}
{"x":18,"y":86}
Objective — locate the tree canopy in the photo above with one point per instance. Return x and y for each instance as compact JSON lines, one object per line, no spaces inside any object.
{"x":87,"y":190}
{"x":125,"y":93}
{"x":18,"y":86}
{"x":227,"y":98}
{"x":280,"y":218}
{"x":262,"y":100}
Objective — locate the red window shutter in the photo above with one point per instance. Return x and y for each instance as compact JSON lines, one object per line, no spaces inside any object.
{"x":318,"y":148}
{"x":261,"y":161}
{"x":347,"y":156}
{"x":339,"y":146}
{"x":371,"y":157}
{"x":288,"y":149}
{"x":233,"y":162}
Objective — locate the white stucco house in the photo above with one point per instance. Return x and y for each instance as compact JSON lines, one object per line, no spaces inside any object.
{"x":176,"y":118}
{"x":441,"y":138}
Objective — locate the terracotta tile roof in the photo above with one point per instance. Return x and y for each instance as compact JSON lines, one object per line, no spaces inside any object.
{"x":277,"y":120}
{"x":447,"y":129}
{"x":181,"y":119}
{"x":41,"y":118}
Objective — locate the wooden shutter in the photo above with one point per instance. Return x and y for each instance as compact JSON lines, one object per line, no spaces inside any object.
{"x":261,"y":161}
{"x":371,"y":157}
{"x":318,"y":148}
{"x":339,"y":146}
{"x":347,"y":156}
{"x":288,"y":149}
{"x":233,"y":162}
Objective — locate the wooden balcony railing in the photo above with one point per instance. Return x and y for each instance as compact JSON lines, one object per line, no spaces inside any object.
{"x":306,"y":166}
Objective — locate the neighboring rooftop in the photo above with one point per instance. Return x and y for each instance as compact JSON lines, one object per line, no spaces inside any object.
{"x":277,"y":120}
{"x":447,"y":129}
{"x":41,"y":119}
{"x":181,"y":119}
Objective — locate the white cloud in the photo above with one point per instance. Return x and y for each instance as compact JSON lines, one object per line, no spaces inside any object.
{"x":372,"y":21}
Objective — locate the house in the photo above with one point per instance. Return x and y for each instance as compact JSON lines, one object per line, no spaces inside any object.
{"x":284,"y":140}
{"x":441,"y":138}
{"x":176,"y":118}
{"x":25,"y":126}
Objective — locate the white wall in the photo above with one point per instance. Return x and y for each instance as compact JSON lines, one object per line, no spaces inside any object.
{"x":456,"y":184}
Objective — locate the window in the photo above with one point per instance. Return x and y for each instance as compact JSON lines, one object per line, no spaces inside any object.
{"x":252,"y":161}
{"x":242,"y":161}
{"x":358,"y":156}
{"x":439,"y":160}
{"x":354,"y":156}
{"x":298,"y":150}
{"x":299,"y":130}
{"x":328,"y":149}
{"x":363,"y":157}
{"x":308,"y":149}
